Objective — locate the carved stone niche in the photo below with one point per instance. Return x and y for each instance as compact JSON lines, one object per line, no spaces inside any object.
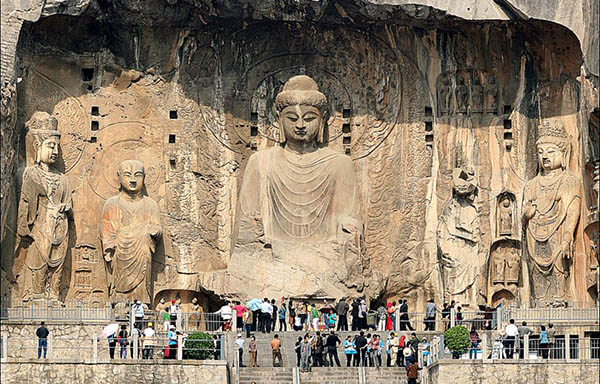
{"x":504,"y":271}
{"x":506,"y":215}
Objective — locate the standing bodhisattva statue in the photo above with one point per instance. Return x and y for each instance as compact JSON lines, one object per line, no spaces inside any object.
{"x":299,"y":226}
{"x":551,"y":209}
{"x":129,"y":232}
{"x":44,"y":206}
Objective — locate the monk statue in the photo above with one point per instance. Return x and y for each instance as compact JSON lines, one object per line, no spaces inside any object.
{"x":129,"y":232}
{"x":299,"y":228}
{"x":44,"y":209}
{"x":458,"y":238}
{"x":551,"y":209}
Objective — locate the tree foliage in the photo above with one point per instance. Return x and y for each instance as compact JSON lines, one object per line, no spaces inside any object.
{"x":199,"y":346}
{"x":457,"y":339}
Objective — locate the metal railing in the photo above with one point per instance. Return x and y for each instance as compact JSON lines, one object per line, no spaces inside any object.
{"x":47,"y":311}
{"x":184,"y":321}
{"x":573,"y":313}
{"x":563,"y":347}
{"x":100,"y":349}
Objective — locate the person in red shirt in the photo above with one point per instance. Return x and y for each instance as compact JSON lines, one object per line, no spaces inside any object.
{"x":240,"y":310}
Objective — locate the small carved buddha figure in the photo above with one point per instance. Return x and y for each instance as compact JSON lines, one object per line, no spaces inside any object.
{"x":505,"y":215}
{"x":477,"y":95}
{"x":462,"y":95}
{"x":491,"y":95}
{"x":298,"y":199}
{"x":44,"y":206}
{"x":129,"y":232}
{"x":551,"y":210}
{"x":445,"y":95}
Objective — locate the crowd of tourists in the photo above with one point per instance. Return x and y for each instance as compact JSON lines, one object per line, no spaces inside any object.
{"x":320,"y":349}
{"x":268,"y":314}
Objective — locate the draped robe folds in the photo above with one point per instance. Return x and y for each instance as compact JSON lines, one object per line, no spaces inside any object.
{"x":125,"y":228}
{"x":306,"y":207}
{"x":43,"y":192}
{"x":556,"y":215}
{"x":301,"y":198}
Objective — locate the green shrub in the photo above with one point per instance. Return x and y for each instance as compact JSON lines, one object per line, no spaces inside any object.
{"x":458,"y":340}
{"x":199,"y":346}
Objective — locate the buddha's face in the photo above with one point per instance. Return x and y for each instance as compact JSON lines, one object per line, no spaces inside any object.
{"x":550,"y":156}
{"x":464,"y":181}
{"x":48,"y":150}
{"x":131,"y":177}
{"x":300,"y":123}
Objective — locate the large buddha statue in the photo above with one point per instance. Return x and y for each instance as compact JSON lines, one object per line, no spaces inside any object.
{"x":129,"y":232}
{"x":551,"y":209}
{"x":44,"y":208}
{"x":298,"y":227}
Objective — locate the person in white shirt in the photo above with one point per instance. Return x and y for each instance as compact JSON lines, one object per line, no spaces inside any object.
{"x":239,"y":344}
{"x":226,"y":314}
{"x":266,"y":309}
{"x":174,"y":312}
{"x":148,"y":342}
{"x":138,"y":310}
{"x":511,"y":335}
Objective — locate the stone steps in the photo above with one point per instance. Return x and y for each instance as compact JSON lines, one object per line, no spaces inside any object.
{"x":323,"y":375}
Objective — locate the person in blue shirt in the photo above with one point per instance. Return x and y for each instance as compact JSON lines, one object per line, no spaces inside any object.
{"x":349,"y":350}
{"x":544,"y":342}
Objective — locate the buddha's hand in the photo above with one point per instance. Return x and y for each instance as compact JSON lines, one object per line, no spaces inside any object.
{"x":565,"y":249}
{"x":62,"y":208}
{"x":154,"y":230}
{"x":108,"y":254}
{"x":529,"y":209}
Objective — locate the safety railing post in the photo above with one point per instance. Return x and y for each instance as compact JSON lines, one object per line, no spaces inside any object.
{"x":95,"y":349}
{"x":179,"y":347}
{"x":50,"y":346}
{"x":136,"y":345}
{"x":4,"y":347}
{"x":452,"y":317}
{"x":222,"y":350}
{"x":526,"y":347}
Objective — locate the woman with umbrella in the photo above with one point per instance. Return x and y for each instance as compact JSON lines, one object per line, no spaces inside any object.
{"x":110,"y":332}
{"x":254,"y":306}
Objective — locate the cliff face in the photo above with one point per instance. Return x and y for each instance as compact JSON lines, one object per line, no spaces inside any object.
{"x":416,"y":92}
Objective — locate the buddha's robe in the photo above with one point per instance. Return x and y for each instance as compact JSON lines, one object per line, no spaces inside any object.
{"x":557,"y":210}
{"x":301,"y":198}
{"x":126,"y":229}
{"x":306,"y":210}
{"x":43,"y":193}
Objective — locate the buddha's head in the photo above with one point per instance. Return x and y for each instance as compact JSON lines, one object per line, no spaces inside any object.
{"x":464,"y":180}
{"x":553,"y":147}
{"x":301,"y":111}
{"x":46,"y":137}
{"x":131,"y":176}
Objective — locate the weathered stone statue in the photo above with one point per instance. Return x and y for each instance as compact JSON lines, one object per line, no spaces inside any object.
{"x":299,"y":227}
{"x":196,"y":317}
{"x":551,"y":210}
{"x":129,"y":232}
{"x":505,"y":216}
{"x":491,"y":95}
{"x":477,"y":95}
{"x":44,"y":206}
{"x":462,"y":95}
{"x":445,"y":95}
{"x":458,"y":238}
